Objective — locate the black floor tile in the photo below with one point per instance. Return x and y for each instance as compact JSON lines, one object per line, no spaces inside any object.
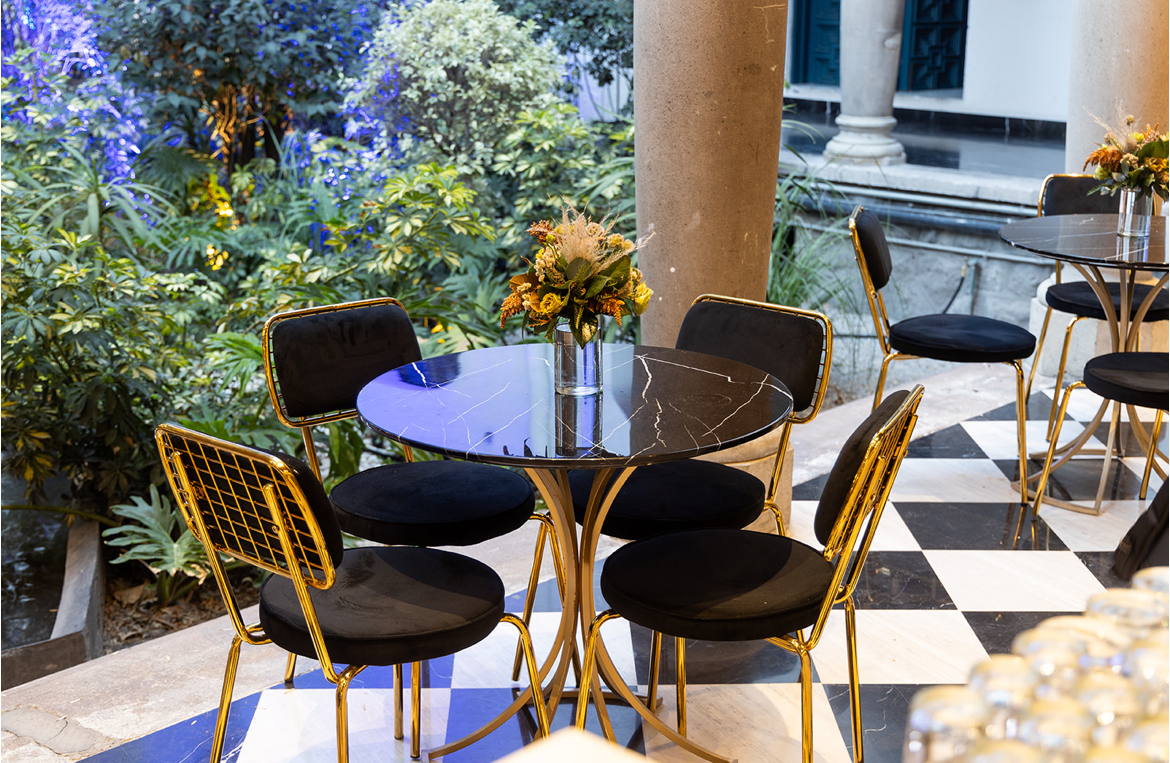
{"x":952,"y":442}
{"x":977,"y":526}
{"x":810,"y":490}
{"x":996,"y":630}
{"x":1078,"y":480}
{"x":884,"y":711}
{"x":1100,"y":563}
{"x":717,"y":662}
{"x":900,"y":580}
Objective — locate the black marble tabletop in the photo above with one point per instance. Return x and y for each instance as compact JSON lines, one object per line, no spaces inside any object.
{"x":497,"y":405}
{"x":1089,"y":240}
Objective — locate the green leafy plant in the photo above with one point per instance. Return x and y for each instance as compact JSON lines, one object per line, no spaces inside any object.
{"x":463,"y":70}
{"x":162,"y":541}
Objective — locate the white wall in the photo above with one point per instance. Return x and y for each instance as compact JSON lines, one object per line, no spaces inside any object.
{"x":1017,"y":64}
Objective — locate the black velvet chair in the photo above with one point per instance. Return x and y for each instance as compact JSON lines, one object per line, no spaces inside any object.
{"x":316,"y":362}
{"x":953,"y":338}
{"x":380,"y":605}
{"x":1130,"y":378}
{"x":738,"y":585}
{"x":1070,"y":195}
{"x":795,"y":346}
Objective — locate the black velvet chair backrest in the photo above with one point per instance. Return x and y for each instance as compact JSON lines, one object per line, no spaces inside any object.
{"x":227,"y":489}
{"x":872,"y":240}
{"x":1072,"y":195}
{"x":321,"y":359}
{"x":788,"y":345}
{"x":848,"y":467}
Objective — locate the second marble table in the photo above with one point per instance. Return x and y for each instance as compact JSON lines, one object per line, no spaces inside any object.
{"x":497,"y":406}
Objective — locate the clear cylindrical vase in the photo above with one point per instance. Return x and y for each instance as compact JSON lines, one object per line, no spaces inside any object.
{"x":1134,"y":213}
{"x":576,"y":369}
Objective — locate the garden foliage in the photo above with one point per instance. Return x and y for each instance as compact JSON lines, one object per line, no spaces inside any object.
{"x":167,"y":193}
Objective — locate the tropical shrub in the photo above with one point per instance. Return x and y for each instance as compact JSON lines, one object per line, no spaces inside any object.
{"x":447,"y":79}
{"x":250,"y":65}
{"x":597,"y":36}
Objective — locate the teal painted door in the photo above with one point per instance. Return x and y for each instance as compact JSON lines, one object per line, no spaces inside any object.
{"x":934,"y":42}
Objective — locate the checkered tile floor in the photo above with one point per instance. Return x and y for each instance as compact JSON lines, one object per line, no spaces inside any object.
{"x":952,"y":576}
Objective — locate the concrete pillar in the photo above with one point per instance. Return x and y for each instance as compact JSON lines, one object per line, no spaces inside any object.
{"x":871,"y":47}
{"x":707,"y":103}
{"x":1118,"y":63}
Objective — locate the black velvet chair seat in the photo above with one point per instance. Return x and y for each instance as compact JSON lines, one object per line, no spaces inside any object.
{"x":1131,"y":378}
{"x":717,"y":585}
{"x":674,"y":496}
{"x":1078,"y":298}
{"x":961,"y":339}
{"x":426,"y":603}
{"x":433,"y":503}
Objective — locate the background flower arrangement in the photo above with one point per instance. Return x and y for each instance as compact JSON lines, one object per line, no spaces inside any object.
{"x":583,"y":271}
{"x":1132,"y":160}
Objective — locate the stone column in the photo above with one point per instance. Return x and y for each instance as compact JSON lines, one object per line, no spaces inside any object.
{"x":1118,"y":63}
{"x":871,"y":47}
{"x":709,"y":79}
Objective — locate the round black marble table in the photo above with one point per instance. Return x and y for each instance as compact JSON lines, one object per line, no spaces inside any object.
{"x":1091,"y":245}
{"x":497,"y":406}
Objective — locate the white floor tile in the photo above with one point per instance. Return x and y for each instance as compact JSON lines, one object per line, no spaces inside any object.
{"x":749,"y":722}
{"x":299,"y":726}
{"x":952,"y":479}
{"x":1014,"y":581}
{"x":897,"y":646}
{"x":1084,"y":532}
{"x":998,"y":438}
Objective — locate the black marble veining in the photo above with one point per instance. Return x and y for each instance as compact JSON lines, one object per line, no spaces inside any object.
{"x":497,"y":405}
{"x":1089,"y":240}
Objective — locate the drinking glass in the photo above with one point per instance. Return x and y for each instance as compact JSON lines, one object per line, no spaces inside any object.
{"x":1005,"y":682}
{"x":1003,"y":751}
{"x":1104,"y":640}
{"x":944,"y":722}
{"x":1060,"y":728}
{"x":1137,"y":610}
{"x":1113,"y":704}
{"x":1054,"y":657}
{"x":1147,"y":665}
{"x":1151,"y":738}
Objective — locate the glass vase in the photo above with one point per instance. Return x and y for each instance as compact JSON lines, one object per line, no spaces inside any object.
{"x":1134,"y":214}
{"x":576,"y":369}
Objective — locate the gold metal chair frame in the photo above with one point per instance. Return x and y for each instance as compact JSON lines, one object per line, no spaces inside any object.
{"x":1125,"y":335}
{"x":881,"y":322}
{"x":284,"y":539}
{"x":306,"y":424}
{"x":798,"y":417}
{"x":849,"y":540}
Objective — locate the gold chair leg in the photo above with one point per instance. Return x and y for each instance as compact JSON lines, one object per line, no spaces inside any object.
{"x":881,"y":384}
{"x":1036,"y":358}
{"x":590,"y":666}
{"x":530,"y":594}
{"x":1110,"y":453}
{"x":655,"y":662}
{"x":290,"y":667}
{"x":806,"y":710}
{"x":1157,"y":428}
{"x":343,"y":680}
{"x":1021,"y":432}
{"x":416,"y":710}
{"x":680,"y":683}
{"x":398,"y":702}
{"x":533,"y":673}
{"x":225,"y":699}
{"x":1043,"y":481}
{"x":1060,"y":370}
{"x":855,"y":675}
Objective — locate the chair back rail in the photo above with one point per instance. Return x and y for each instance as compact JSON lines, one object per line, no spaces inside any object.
{"x":866,"y":233}
{"x":251,"y":506}
{"x":853,"y":531}
{"x":1071,"y":194}
{"x":317,"y":359}
{"x":792,"y":344}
